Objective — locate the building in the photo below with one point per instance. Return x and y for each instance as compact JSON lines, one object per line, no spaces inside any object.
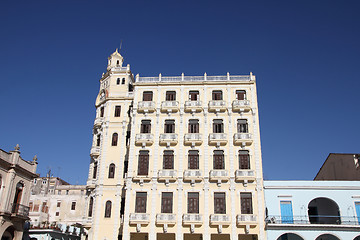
{"x":175,"y":158}
{"x":16,"y":175}
{"x":340,"y":166}
{"x":56,"y":208}
{"x":312,"y":210}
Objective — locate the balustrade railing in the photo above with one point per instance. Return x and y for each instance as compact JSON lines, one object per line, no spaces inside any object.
{"x":246,"y":218}
{"x":192,"y":217}
{"x":193,"y":104}
{"x":168,"y":136}
{"x":167,"y":173}
{"x":219,"y":218}
{"x":193,"y":78}
{"x":218,"y":173}
{"x":192,"y":173}
{"x":242,"y":136}
{"x":20,"y":209}
{"x":217,"y":136}
{"x":144,"y":136}
{"x":193,"y":136}
{"x":168,"y":217}
{"x":139,"y":217}
{"x":244,"y":173}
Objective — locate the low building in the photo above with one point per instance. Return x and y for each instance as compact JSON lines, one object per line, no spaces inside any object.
{"x":16,"y":175}
{"x":339,"y":167}
{"x":308,"y":210}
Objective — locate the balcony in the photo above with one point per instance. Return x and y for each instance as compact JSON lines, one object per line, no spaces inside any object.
{"x":91,"y":183}
{"x":246,"y":219}
{"x":244,"y":174}
{"x":218,"y":138}
{"x":98,"y":121}
{"x":192,"y":175}
{"x":166,"y":218}
{"x":217,"y":106}
{"x":141,"y":178}
{"x":144,"y":139}
{"x":167,"y":175}
{"x":219,"y":219}
{"x":192,"y":218}
{"x":193,"y":106}
{"x":20,"y":210}
{"x":95,"y":151}
{"x":193,"y":139}
{"x":169,"y":106}
{"x":219,"y":175}
{"x":146,"y":106}
{"x":243,"y":139}
{"x":168,"y":139}
{"x":241,"y":106}
{"x":139,"y":218}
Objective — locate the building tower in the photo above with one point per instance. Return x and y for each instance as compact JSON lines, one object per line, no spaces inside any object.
{"x":109,"y":151}
{"x":187,"y":158}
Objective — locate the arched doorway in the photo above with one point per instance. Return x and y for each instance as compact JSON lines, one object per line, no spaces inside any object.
{"x":323,"y":211}
{"x":17,"y":198}
{"x":8,"y":234}
{"x":290,"y":236}
{"x":327,"y":237}
{"x":357,"y":238}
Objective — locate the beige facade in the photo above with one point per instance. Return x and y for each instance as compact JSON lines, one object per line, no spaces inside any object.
{"x":16,"y":175}
{"x":182,"y":160}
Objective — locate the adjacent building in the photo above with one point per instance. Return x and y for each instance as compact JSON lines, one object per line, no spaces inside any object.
{"x":16,"y":176}
{"x":175,"y":158}
{"x":340,"y":166}
{"x":312,"y":210}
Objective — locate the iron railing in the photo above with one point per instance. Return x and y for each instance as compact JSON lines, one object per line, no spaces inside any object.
{"x":313,"y":219}
{"x":20,"y":209}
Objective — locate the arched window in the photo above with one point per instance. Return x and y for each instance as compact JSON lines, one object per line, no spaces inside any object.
{"x":108,"y":209}
{"x":123,"y":81}
{"x":323,"y":211}
{"x":98,"y":140}
{"x":17,"y":198}
{"x":112,"y":170}
{"x":91,"y":203}
{"x":118,"y":81}
{"x":290,"y":236}
{"x":95,"y":170}
{"x":114,"y":139}
{"x":327,"y":237}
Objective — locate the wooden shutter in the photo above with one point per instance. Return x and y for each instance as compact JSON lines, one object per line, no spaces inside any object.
{"x":193,"y":159}
{"x":143,"y":164}
{"x":240,"y":94}
{"x":147,"y":96}
{"x":168,"y":160}
{"x":244,"y":160}
{"x":166,"y":202}
{"x":193,"y":202}
{"x":219,"y":160}
{"x":219,"y":203}
{"x":246,"y":203}
{"x":140,"y":204}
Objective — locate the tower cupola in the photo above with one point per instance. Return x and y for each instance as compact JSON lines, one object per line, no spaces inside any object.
{"x":115,"y":60}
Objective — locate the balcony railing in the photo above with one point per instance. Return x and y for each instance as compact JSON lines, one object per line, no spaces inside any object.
{"x":193,"y":138}
{"x":95,"y":151}
{"x":192,"y":218}
{"x":217,"y":105}
{"x":241,"y":105}
{"x":219,"y":174}
{"x":169,"y":138}
{"x":169,"y":174}
{"x":139,"y":218}
{"x":165,"y":218}
{"x":98,"y":121}
{"x":194,"y":78}
{"x":20,"y":210}
{"x":243,"y":138}
{"x":317,"y":220}
{"x":146,"y":138}
{"x":193,"y":106}
{"x":192,"y":175}
{"x":218,"y":138}
{"x":219,"y":219}
{"x":170,"y":106}
{"x":244,"y":174}
{"x":243,"y":219}
{"x":146,"y":106}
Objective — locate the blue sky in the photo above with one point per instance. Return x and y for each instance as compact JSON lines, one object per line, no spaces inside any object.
{"x":305,"y":55}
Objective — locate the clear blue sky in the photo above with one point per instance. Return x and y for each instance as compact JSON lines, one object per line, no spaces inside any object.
{"x":305,"y":55}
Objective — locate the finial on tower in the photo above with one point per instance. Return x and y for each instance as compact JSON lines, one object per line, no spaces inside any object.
{"x":17,"y":147}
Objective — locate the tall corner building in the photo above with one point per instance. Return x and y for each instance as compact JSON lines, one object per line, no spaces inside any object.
{"x":175,"y":158}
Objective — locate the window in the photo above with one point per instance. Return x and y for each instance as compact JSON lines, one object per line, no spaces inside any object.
{"x":193,"y":95}
{"x":73,"y":205}
{"x":102,"y":112}
{"x":240,"y":95}
{"x":169,"y":126}
{"x":219,"y":203}
{"x":217,"y":95}
{"x":111,"y":170}
{"x":143,"y":164}
{"x":44,"y":182}
{"x":58,"y":204}
{"x":118,"y":63}
{"x":114,"y":139}
{"x":193,"y":202}
{"x":219,"y":162}
{"x":91,"y":203}
{"x":108,"y":209}
{"x":166,"y":202}
{"x":145,"y":126}
{"x":170,"y":96}
{"x":118,"y":81}
{"x":59,"y":192}
{"x":147,"y":96}
{"x":193,"y":126}
{"x":36,"y":207}
{"x":357,"y":209}
{"x":218,"y":126}
{"x":193,"y":159}
{"x":123,"y":81}
{"x":117,"y":111}
{"x":57,"y":214}
{"x":30,"y":206}
{"x":95,"y":170}
{"x":140,"y":204}
{"x":67,"y":192}
{"x":98,"y":141}
{"x":246,"y":203}
{"x":242,"y":126}
{"x":168,"y":160}
{"x":244,"y":159}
